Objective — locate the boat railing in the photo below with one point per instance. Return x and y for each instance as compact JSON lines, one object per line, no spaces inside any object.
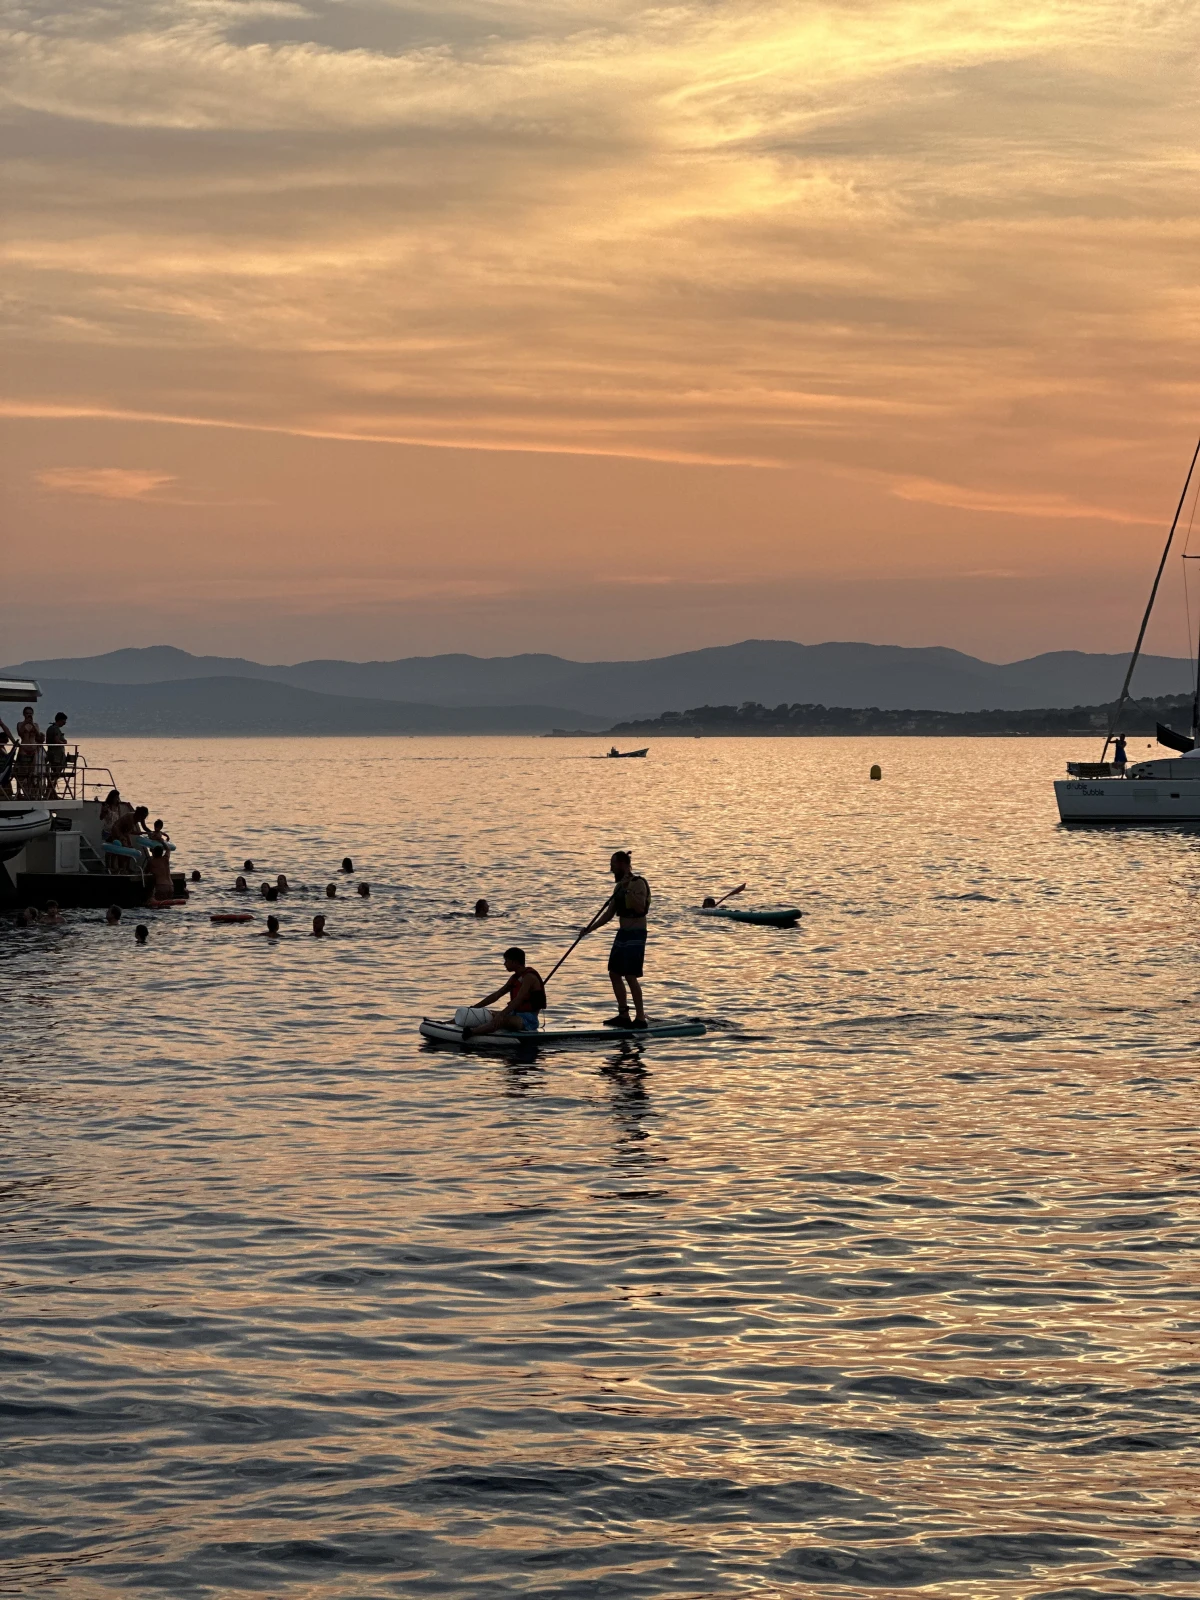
{"x":1095,"y":769}
{"x":55,"y":776}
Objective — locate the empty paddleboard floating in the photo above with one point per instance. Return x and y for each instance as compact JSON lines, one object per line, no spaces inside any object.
{"x":450,"y":1033}
{"x":765,"y":919}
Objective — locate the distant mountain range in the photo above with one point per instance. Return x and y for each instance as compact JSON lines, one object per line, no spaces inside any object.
{"x":212,"y":706}
{"x":537,"y":692}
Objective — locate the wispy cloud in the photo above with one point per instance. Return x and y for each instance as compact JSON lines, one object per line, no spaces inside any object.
{"x":104,"y":483}
{"x":1011,"y":503}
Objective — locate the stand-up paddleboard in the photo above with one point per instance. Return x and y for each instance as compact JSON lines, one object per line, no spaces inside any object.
{"x":787,"y":918}
{"x":450,"y":1033}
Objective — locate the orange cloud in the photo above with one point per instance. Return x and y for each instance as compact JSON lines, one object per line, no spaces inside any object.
{"x":1014,"y":503}
{"x":104,"y":483}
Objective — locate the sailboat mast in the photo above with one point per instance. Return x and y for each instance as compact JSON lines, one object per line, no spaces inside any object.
{"x":1137,"y":649}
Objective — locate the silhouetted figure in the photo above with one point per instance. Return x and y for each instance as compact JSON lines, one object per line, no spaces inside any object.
{"x":141,"y":933}
{"x":318,"y":931}
{"x":347,"y":864}
{"x":247,"y":866}
{"x":112,"y":916}
{"x":282,"y":884}
{"x":195,"y":876}
{"x":709,"y":903}
{"x":482,"y":908}
{"x":272,"y":929}
{"x":364,"y":889}
{"x":331,"y":891}
{"x":240,"y":884}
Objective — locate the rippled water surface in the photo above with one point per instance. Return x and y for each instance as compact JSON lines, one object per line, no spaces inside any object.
{"x":888,"y":1283}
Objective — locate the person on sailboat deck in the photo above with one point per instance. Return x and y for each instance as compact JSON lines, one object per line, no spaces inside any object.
{"x":1119,"y":755}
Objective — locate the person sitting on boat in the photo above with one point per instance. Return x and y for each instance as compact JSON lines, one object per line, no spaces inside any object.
{"x":630,"y":903}
{"x":526,"y":999}
{"x":613,"y":751}
{"x":110,"y":812}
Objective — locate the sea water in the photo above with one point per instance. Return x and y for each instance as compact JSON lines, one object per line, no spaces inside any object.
{"x":887,"y":1283}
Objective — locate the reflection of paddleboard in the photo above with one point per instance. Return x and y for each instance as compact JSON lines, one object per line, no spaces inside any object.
{"x":448,"y":1033}
{"x":766,"y":919}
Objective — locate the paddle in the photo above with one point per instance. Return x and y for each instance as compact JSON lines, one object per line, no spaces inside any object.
{"x":582,"y":936}
{"x":729,"y":896}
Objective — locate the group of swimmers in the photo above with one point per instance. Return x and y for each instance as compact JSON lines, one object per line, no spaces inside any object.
{"x":273,"y":891}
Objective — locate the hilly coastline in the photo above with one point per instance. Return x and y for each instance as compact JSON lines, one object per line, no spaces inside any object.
{"x":248,"y":707}
{"x":162,"y":688}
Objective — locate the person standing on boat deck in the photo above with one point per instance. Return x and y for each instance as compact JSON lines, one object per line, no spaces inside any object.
{"x":1119,"y":755}
{"x":7,"y":762}
{"x":630,"y":903}
{"x":29,"y":750}
{"x":56,"y":752}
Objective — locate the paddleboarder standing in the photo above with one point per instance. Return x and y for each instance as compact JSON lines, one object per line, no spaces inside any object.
{"x":629,"y":903}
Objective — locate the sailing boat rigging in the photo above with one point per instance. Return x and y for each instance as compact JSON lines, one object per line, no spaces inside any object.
{"x":1164,"y":790}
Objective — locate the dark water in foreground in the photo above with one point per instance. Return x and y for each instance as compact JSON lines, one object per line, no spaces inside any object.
{"x":889,"y":1283}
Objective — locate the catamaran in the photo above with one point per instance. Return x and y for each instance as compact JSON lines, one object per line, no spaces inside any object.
{"x":1163,"y":790}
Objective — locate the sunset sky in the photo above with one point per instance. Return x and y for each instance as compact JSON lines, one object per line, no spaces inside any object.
{"x":365,"y":329}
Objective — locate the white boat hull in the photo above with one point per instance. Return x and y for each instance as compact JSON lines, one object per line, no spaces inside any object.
{"x":1138,"y":800}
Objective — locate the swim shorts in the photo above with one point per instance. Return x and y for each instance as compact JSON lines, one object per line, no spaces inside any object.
{"x":628,"y":953}
{"x":527,"y":1019}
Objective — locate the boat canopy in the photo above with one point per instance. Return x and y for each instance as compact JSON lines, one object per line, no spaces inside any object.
{"x":19,"y":691}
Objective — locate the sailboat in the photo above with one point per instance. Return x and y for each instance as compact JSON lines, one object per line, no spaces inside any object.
{"x":1164,"y":790}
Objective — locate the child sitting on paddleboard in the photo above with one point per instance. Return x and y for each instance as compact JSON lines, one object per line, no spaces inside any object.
{"x":526,"y":998}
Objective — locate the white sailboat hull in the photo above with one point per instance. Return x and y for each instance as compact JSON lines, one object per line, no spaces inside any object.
{"x":1142,"y":800}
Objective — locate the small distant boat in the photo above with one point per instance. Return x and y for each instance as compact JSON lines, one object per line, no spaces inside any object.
{"x":621,"y":755}
{"x":450,"y":1033}
{"x":785,"y":918}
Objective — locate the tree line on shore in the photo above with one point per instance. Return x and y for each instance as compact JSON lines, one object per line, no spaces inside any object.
{"x":1138,"y":717}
